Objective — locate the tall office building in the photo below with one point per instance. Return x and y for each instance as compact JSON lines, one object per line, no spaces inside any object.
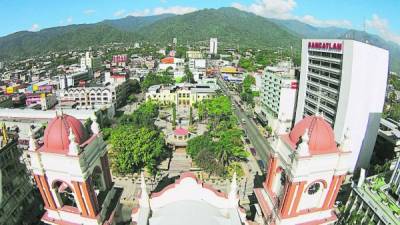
{"x":213,"y":46}
{"x":395,"y":180}
{"x":278,"y":96}
{"x":19,"y":203}
{"x":345,"y":80}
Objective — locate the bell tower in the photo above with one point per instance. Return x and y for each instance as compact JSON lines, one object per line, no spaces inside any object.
{"x":304,"y":175}
{"x":71,"y":171}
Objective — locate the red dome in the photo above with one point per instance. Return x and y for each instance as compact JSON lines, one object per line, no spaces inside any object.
{"x":56,"y":134}
{"x":321,"y":136}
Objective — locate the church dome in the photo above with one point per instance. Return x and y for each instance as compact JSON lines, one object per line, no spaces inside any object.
{"x":56,"y":134}
{"x":320,"y":133}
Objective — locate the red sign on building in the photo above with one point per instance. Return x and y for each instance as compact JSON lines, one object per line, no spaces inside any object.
{"x":325,"y":45}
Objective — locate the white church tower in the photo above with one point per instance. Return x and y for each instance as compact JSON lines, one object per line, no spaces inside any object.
{"x":305,"y":172}
{"x":72,"y":173}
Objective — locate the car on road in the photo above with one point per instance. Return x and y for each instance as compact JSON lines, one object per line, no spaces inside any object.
{"x":253,"y":151}
{"x":247,"y":141}
{"x":261,"y":164}
{"x":243,"y":121}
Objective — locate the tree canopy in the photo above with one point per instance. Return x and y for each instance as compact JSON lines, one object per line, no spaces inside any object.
{"x":154,"y":79}
{"x":134,"y":148}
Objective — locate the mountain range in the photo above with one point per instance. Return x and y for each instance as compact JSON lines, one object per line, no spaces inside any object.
{"x":231,"y":26}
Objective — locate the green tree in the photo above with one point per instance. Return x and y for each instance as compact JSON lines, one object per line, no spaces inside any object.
{"x":191,"y":116}
{"x":206,"y":160}
{"x":144,"y":116}
{"x":154,"y":79}
{"x":200,"y":143}
{"x":173,"y":115}
{"x":229,"y":147}
{"x":135,"y":148}
{"x":188,"y":75}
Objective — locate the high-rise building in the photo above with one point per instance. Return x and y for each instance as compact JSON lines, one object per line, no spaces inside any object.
{"x":175,"y":41}
{"x":305,"y":172}
{"x":370,"y":202}
{"x":19,"y":203}
{"x":345,"y":80}
{"x":72,"y":173}
{"x":278,"y":95}
{"x":395,"y":179}
{"x":86,"y":61}
{"x":213,"y":46}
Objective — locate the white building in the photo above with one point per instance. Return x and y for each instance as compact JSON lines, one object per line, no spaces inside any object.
{"x":278,"y":96}
{"x":86,"y":62}
{"x":72,"y":80}
{"x":213,"y":46}
{"x":198,"y":68}
{"x":305,"y":172}
{"x":189,"y":201}
{"x":346,"y":81}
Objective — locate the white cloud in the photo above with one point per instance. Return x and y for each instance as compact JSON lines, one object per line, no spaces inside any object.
{"x":67,"y":21}
{"x":120,"y":13}
{"x":89,"y":11}
{"x":34,"y":27}
{"x":144,"y":12}
{"x":283,"y":9}
{"x":381,"y":26}
{"x":324,"y":23}
{"x":179,"y":10}
{"x":279,"y":9}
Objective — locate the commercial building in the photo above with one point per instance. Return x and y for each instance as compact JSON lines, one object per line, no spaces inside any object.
{"x":194,"y":55}
{"x":305,"y":172}
{"x":71,"y":170}
{"x":89,"y":97}
{"x":45,"y":101}
{"x":395,"y":180}
{"x":278,"y":96}
{"x":182,"y":94}
{"x":370,"y":200}
{"x":387,"y":145}
{"x":346,"y":81}
{"x":18,"y":199}
{"x":189,"y":201}
{"x":72,"y":80}
{"x":119,"y":60}
{"x":213,"y":46}
{"x":86,"y":62}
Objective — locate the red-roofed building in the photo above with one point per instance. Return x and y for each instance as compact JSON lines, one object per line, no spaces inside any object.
{"x":305,"y":172}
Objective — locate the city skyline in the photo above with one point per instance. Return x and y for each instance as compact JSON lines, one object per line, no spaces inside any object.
{"x":372,"y":16}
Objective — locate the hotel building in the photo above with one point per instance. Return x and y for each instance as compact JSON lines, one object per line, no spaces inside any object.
{"x":345,"y":80}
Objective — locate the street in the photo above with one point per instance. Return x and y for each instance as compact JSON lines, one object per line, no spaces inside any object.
{"x":257,"y":139}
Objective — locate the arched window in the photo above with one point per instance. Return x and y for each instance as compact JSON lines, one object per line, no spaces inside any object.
{"x":279,"y":181}
{"x":64,"y":194}
{"x":97,"y":179}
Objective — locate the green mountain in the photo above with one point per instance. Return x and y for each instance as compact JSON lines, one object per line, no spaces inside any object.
{"x":27,"y":43}
{"x":133,"y":23}
{"x":308,"y":31}
{"x":232,"y":27}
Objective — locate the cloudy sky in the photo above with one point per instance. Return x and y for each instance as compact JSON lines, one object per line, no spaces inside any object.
{"x":377,"y":16}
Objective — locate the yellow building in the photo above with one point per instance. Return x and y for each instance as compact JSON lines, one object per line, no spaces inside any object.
{"x":184,"y":94}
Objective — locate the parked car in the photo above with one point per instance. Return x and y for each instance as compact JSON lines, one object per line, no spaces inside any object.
{"x":253,"y":151}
